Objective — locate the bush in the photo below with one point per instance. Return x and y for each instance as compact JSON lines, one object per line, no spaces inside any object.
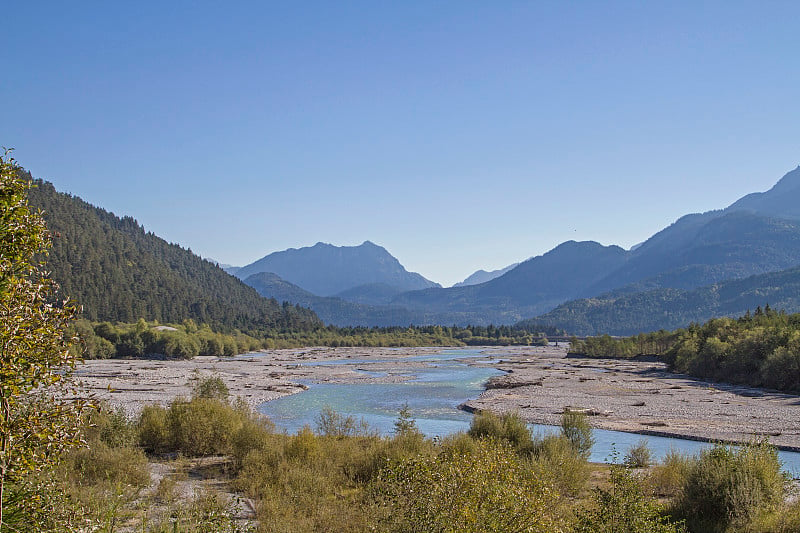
{"x":784,"y":520}
{"x":576,"y":428}
{"x":509,"y":427}
{"x":728,"y":486}
{"x":624,"y":507}
{"x":153,"y":431}
{"x":558,"y":460}
{"x":667,"y":479}
{"x":332,"y":424}
{"x":212,"y":387}
{"x":639,"y":455}
{"x":103,"y":463}
{"x":200,"y":426}
{"x":492,"y":489}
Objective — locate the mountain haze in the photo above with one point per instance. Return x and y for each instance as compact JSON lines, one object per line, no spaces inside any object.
{"x":620,"y":313}
{"x":533,"y":287}
{"x":482,"y":276}
{"x":332,"y":310}
{"x":326,"y":270}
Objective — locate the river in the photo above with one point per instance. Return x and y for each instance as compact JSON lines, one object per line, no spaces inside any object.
{"x":433,"y":388}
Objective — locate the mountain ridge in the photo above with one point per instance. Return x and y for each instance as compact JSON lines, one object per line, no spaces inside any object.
{"x":326,"y":270}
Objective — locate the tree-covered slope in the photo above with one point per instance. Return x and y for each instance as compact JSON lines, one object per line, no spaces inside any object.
{"x":622,"y":313}
{"x":119,"y":272}
{"x":326,"y":270}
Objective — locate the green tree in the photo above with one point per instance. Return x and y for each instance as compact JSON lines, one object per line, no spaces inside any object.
{"x":36,"y":421}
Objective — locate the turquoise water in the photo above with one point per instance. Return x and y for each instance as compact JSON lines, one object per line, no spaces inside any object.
{"x":433,"y":394}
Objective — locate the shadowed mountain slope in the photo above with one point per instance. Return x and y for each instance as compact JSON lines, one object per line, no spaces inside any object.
{"x":619,"y":313}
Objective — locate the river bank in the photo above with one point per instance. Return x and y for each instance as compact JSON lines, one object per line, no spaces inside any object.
{"x":540,"y":382}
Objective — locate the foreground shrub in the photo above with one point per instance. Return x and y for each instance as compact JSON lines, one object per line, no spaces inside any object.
{"x":638,"y":455}
{"x":304,"y":482}
{"x":509,"y":427}
{"x":558,"y":461}
{"x":201,"y":426}
{"x":668,"y":478}
{"x":492,"y":489}
{"x":333,"y":424}
{"x":624,"y":508}
{"x":729,"y":486}
{"x":786,"y":519}
{"x":576,"y":428}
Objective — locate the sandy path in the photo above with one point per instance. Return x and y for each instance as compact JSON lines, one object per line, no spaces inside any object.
{"x":620,"y":395}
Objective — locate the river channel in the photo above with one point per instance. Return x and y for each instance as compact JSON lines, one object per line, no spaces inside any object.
{"x":433,"y":387}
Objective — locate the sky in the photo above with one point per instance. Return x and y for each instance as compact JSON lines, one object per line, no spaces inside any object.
{"x":459,"y":135}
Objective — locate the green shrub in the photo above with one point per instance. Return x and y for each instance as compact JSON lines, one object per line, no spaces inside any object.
{"x":509,"y":427}
{"x":332,"y":424}
{"x":786,"y":519}
{"x":667,"y":478}
{"x":154,"y":434}
{"x":491,"y":490}
{"x":110,"y":426}
{"x":303,"y":446}
{"x":624,"y":508}
{"x":558,"y":461}
{"x":638,"y":455}
{"x":200,"y":426}
{"x":210,"y":387}
{"x":576,"y":428}
{"x":103,"y":463}
{"x":729,"y":486}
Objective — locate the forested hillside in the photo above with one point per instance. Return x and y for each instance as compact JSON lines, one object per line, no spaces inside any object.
{"x":759,"y":349}
{"x":624,"y":313}
{"x":119,"y":272}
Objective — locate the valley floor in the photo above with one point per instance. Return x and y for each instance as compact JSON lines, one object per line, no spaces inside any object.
{"x":633,"y":396}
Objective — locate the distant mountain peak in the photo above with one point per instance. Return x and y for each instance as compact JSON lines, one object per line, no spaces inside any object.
{"x":325,"y":269}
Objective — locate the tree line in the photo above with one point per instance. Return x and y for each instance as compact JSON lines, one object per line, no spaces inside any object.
{"x":760,"y":349}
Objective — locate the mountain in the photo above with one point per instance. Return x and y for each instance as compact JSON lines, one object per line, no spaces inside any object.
{"x":535,"y":286}
{"x":759,"y":233}
{"x":482,"y":276}
{"x":330,"y":309}
{"x":119,"y":272}
{"x":778,"y":202}
{"x":326,"y":270}
{"x":370,"y":294}
{"x":708,"y":248}
{"x":620,"y":313}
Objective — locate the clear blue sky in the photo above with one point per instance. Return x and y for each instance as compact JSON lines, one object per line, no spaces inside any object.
{"x":459,"y":135}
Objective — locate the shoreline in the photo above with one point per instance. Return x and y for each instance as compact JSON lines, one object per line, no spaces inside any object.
{"x":539,"y":382}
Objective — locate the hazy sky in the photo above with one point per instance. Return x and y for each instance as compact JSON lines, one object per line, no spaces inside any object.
{"x":458,"y":135}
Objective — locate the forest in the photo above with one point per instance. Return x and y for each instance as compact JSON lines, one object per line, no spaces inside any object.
{"x":759,"y":349}
{"x":187,"y":339}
